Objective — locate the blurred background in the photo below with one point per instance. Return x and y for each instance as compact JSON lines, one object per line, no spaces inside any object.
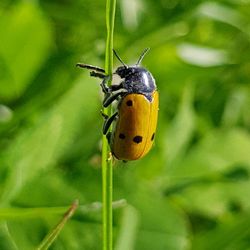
{"x":192,"y":191}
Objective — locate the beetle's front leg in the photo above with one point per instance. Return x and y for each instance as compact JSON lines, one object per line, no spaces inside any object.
{"x":105,"y":88}
{"x":109,"y":98}
{"x":109,"y":95}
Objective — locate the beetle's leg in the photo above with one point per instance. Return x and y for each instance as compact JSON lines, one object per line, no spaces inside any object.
{"x":105,"y":88}
{"x":117,"y":87}
{"x":91,"y":67}
{"x":104,"y":115}
{"x":97,"y":71}
{"x":108,"y":136}
{"x":108,"y":121}
{"x":97,"y":74}
{"x":109,"y":97}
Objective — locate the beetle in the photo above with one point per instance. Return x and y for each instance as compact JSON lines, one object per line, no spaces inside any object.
{"x":137,"y":110}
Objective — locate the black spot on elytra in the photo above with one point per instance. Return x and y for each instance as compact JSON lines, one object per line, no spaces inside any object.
{"x":153,"y":136}
{"x":122,"y":136}
{"x":137,"y":139}
{"x":129,"y":103}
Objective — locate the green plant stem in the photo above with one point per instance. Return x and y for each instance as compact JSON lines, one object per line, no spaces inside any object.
{"x":53,"y":234}
{"x":107,"y":169}
{"x":15,"y":213}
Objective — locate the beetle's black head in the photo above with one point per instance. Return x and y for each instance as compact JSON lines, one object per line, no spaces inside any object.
{"x":128,"y":71}
{"x":124,"y":71}
{"x":136,"y":79}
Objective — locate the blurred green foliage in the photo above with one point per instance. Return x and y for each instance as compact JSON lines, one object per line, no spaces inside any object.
{"x":192,"y":190}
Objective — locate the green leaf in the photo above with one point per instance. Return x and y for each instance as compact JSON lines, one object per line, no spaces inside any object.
{"x":223,"y":13}
{"x":40,"y":146}
{"x":202,"y":56}
{"x":162,"y":225}
{"x":219,"y":150}
{"x":181,"y":129}
{"x":6,"y":240}
{"x":218,"y":168}
{"x":53,"y":234}
{"x":128,"y":229}
{"x":24,"y":48}
{"x":232,"y":233}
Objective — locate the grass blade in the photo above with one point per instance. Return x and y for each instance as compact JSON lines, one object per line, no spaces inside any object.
{"x":50,"y":238}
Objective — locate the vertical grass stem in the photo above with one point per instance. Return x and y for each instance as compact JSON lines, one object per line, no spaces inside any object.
{"x":107,"y":170}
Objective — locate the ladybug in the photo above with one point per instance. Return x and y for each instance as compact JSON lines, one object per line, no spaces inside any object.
{"x":137,"y":110}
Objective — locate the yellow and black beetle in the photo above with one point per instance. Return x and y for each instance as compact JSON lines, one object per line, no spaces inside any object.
{"x":137,"y":111}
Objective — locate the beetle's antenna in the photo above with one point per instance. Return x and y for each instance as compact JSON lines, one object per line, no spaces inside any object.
{"x":144,"y":52}
{"x":119,"y":58}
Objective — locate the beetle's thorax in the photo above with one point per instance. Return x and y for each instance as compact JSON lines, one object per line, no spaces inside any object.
{"x":136,"y":79}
